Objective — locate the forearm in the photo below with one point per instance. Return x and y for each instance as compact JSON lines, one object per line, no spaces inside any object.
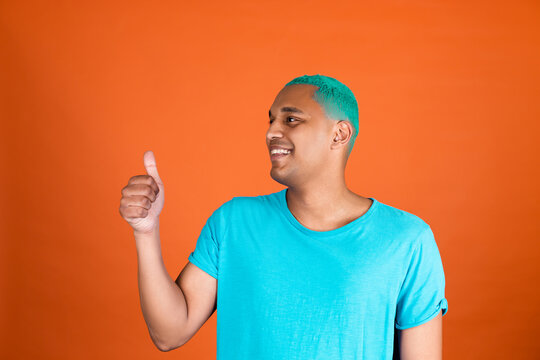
{"x":162,"y":302}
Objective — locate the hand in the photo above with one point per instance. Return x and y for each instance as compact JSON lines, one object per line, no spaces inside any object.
{"x":143,"y":197}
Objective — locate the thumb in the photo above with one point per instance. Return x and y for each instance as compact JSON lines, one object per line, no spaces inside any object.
{"x":150,"y":166}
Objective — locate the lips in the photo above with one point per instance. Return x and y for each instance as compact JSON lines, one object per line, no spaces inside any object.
{"x":278,"y":147}
{"x":279,"y":156}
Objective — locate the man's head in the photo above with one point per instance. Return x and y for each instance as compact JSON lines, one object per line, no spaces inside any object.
{"x":336,"y":98}
{"x":316,"y":117}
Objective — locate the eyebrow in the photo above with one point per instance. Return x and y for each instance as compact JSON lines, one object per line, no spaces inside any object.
{"x":290,"y":109}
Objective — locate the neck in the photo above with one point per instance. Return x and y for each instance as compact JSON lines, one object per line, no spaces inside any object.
{"x":325,"y":204}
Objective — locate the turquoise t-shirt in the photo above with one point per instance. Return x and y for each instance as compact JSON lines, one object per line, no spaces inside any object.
{"x":289,"y":292}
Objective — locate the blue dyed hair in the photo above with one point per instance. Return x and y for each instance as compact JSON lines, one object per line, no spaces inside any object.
{"x":336,"y":99}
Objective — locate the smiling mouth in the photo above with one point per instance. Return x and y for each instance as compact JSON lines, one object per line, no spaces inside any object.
{"x":279,"y":155}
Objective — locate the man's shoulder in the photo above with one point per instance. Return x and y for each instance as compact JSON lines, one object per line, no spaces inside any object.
{"x":250,"y":202}
{"x":397,"y":219}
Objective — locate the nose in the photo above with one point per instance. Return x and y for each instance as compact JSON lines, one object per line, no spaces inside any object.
{"x":274,"y":131}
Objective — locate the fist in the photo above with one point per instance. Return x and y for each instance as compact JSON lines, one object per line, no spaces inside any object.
{"x":143,"y":197}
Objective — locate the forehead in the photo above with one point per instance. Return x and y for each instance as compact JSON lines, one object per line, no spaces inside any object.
{"x":299,"y":96}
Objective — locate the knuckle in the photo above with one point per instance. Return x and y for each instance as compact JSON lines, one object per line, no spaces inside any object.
{"x":133,"y":211}
{"x":149,"y":191}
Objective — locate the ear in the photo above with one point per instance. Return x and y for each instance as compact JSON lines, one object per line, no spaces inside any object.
{"x":342,"y":134}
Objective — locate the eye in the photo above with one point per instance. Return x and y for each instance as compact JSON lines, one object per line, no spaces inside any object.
{"x":287,"y":118}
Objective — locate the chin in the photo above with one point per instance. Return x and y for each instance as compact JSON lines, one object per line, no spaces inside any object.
{"x":277,"y":177}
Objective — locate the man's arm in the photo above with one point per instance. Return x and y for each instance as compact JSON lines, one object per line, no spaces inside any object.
{"x":173,"y":311}
{"x":423,"y":342}
{"x":200,"y":292}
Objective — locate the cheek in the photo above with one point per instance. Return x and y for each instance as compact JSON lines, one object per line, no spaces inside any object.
{"x":309,"y":145}
{"x":311,"y":152}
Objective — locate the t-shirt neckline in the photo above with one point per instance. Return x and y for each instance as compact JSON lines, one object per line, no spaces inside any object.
{"x":321,"y":234}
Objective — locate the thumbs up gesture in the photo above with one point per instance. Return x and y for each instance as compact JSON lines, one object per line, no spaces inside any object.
{"x":143,"y":197}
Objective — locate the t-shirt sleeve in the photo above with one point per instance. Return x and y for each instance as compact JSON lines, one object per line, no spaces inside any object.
{"x":421,"y":297}
{"x":206,"y":253}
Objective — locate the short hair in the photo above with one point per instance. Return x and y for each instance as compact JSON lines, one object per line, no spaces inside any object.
{"x":336,"y":99}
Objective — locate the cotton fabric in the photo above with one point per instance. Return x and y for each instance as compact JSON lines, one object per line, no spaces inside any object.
{"x":288,"y":292}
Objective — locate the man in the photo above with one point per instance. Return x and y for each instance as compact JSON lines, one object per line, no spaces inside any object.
{"x":313,"y":271}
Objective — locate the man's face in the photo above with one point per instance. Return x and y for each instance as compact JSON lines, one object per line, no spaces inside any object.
{"x":298,"y":123}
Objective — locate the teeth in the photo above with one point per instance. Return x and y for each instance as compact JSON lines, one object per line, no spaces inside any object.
{"x":280,"y":151}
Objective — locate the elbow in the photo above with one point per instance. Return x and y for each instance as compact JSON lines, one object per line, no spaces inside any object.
{"x":161,"y":345}
{"x":164,"y":349}
{"x":166,"y":346}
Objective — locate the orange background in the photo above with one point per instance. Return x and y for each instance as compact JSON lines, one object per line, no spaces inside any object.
{"x":448,"y":93}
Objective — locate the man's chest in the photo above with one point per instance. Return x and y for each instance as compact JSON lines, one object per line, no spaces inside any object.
{"x":287,"y":270}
